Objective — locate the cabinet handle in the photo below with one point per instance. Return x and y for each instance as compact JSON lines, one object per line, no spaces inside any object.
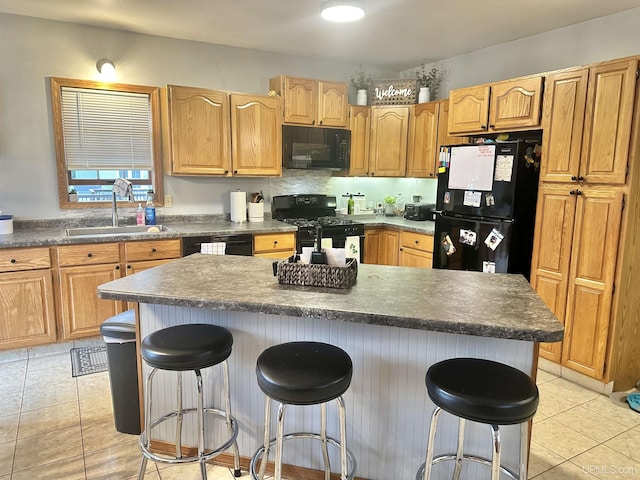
{"x":13,"y":260}
{"x":313,"y":122}
{"x":235,"y":172}
{"x":153,"y":250}
{"x":492,"y":126}
{"x":320,"y":122}
{"x":117,"y":267}
{"x":417,"y":242}
{"x":574,"y":178}
{"x":483,"y":127}
{"x":129,"y":267}
{"x":572,"y":192}
{"x":401,"y":249}
{"x":372,"y":174}
{"x":226,"y":172}
{"x":89,"y":254}
{"x":275,"y":242}
{"x":577,"y":179}
{"x":578,"y":192}
{"x":580,"y":178}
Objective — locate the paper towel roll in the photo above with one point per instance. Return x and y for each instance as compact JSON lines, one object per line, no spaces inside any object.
{"x":238,"y":207}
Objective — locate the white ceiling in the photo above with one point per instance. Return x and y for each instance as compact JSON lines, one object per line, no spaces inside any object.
{"x":394,"y":35}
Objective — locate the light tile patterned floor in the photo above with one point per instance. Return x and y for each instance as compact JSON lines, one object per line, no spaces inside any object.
{"x":56,"y":427}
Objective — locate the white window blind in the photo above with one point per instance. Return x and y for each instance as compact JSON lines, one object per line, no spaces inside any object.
{"x":106,"y":129}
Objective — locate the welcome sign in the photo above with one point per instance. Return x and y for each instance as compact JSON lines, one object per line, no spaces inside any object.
{"x":393,"y":92}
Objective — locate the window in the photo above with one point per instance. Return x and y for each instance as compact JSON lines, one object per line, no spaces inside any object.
{"x":105,"y":131}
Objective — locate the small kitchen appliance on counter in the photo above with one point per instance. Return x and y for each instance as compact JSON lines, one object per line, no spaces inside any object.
{"x":310,"y":210}
{"x":420,"y":211}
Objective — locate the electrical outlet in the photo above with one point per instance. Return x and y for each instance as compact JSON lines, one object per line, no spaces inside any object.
{"x":168,"y":201}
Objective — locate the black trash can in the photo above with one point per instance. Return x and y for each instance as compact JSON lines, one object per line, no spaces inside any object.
{"x":119,"y":333}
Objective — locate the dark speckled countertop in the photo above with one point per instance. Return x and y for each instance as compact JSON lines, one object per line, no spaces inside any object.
{"x":471,"y":303}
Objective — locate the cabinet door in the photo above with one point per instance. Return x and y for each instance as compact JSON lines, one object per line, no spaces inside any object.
{"x":300,"y":100}
{"x":410,"y":257}
{"x":333,"y":107}
{"x":515,"y":104}
{"x":136,"y":267}
{"x":360,"y":126}
{"x":372,"y":246}
{"x":593,"y":261}
{"x":389,"y":133}
{"x":469,"y":110}
{"x":26,"y":309}
{"x":256,"y":135}
{"x":565,"y":99}
{"x":443,"y":130}
{"x":607,"y":127}
{"x":196,"y":131}
{"x":388,"y":248}
{"x":82,"y":310}
{"x":555,"y":215}
{"x":423,"y":137}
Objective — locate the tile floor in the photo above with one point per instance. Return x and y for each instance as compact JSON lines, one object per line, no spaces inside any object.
{"x":57,"y":427}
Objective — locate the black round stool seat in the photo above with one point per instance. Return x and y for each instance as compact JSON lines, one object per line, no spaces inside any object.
{"x":304,"y":373}
{"x":482,"y":391}
{"x":187,"y":347}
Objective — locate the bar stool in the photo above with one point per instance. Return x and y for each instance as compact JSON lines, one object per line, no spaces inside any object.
{"x":481,"y":391}
{"x":182,"y":348}
{"x":304,"y":373}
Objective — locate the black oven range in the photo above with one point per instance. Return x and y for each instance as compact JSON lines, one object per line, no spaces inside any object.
{"x":307,"y":211}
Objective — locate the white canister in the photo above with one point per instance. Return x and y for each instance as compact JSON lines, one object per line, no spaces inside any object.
{"x":6,"y":224}
{"x":256,"y":212}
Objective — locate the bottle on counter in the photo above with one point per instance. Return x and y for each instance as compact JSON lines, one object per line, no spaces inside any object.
{"x":350,"y":204}
{"x":150,"y":209}
{"x":139,"y":215}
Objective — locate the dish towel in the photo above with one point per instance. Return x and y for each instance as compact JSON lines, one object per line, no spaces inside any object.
{"x":122,"y":187}
{"x":215,"y":248}
{"x":352,"y":247}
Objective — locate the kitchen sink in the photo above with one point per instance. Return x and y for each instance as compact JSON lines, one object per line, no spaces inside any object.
{"x":74,"y":232}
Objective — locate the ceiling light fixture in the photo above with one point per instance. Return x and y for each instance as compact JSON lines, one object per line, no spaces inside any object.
{"x":342,"y":10}
{"x":106,"y":68}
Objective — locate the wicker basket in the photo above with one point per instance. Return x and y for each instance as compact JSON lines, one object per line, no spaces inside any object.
{"x":316,"y":275}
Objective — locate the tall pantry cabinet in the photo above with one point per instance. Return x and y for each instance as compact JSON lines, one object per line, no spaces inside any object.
{"x":585,"y":256}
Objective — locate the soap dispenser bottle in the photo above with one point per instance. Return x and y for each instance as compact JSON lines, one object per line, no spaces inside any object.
{"x":139,"y":215}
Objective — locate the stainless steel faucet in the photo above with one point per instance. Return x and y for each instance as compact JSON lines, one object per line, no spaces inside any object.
{"x":122,"y":188}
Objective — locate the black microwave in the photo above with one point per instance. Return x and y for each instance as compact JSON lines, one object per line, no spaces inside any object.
{"x":315,"y":147}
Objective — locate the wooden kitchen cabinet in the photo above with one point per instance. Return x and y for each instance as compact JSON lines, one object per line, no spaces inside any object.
{"x":312,"y":102}
{"x":360,"y":126}
{"x":274,"y":245}
{"x":416,"y":250}
{"x":443,"y":130}
{"x":388,"y":146}
{"x":27,"y":310}
{"x":506,"y":106}
{"x":573,"y":269}
{"x":256,"y":135}
{"x":423,"y":140}
{"x":196,"y":131}
{"x":81,"y":269}
{"x":587,"y":123}
{"x":381,"y":246}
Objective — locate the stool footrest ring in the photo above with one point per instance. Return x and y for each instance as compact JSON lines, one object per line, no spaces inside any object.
{"x":471,"y":458}
{"x":173,"y":460}
{"x":296,"y":435}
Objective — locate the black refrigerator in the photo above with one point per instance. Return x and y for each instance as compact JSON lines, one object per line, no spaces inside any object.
{"x":486,"y":204}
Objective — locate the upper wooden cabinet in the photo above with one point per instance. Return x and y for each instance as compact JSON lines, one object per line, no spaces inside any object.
{"x":256,"y":135}
{"x":312,"y":102}
{"x":443,"y":129}
{"x":209,"y":132}
{"x":587,"y":123}
{"x":388,"y":147}
{"x":506,"y":106}
{"x":360,"y":126}
{"x":423,"y":140}
{"x":196,"y":131}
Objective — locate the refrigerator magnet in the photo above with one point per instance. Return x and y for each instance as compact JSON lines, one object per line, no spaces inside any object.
{"x":489,"y":267}
{"x":447,"y":197}
{"x":504,"y":168}
{"x":468,"y":237}
{"x":489,"y":200}
{"x":493,"y":239}
{"x":472,"y":199}
{"x":447,"y":244}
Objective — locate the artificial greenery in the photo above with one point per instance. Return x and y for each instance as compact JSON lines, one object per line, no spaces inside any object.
{"x":72,"y":190}
{"x":426,"y":78}
{"x":390,"y":200}
{"x":361,"y":79}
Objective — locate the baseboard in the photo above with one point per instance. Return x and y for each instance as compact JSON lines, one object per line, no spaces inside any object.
{"x":575,"y":377}
{"x":225,"y":459}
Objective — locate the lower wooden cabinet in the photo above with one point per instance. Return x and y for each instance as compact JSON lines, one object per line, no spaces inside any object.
{"x":416,"y":250}
{"x":274,"y":245}
{"x":381,"y":246}
{"x":27,"y":312}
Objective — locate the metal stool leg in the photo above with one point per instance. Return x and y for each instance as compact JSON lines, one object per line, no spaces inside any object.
{"x":179,"y":418}
{"x":524,"y":450}
{"x":279,"y":439}
{"x":267,"y":436}
{"x":203,"y":465}
{"x":147,"y":422}
{"x":227,"y":402}
{"x":323,"y":441}
{"x":342,"y":412}
{"x":495,"y":460}
{"x":460,"y":450}
{"x":431,"y":444}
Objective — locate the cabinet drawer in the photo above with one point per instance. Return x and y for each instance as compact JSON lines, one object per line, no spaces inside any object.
{"x":418,"y":241}
{"x":15,"y":259}
{"x":155,"y":250}
{"x":90,"y":254}
{"x":274,"y":242}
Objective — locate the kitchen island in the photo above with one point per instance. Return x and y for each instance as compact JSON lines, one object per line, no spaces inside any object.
{"x":394,"y":323}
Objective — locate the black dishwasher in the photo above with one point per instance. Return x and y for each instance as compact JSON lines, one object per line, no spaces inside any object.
{"x":235,"y":244}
